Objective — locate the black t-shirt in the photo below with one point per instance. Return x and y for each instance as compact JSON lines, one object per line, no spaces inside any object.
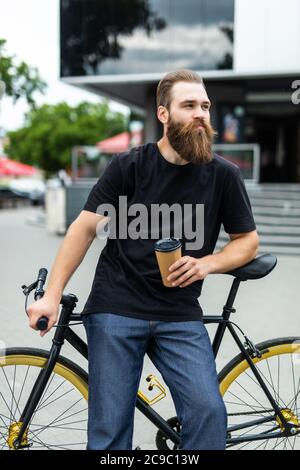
{"x":127,"y":279}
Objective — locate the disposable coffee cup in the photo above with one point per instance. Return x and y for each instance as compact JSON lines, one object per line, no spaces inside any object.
{"x":167,"y":250}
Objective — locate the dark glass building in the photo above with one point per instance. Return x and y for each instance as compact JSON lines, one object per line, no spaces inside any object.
{"x":112,"y":37}
{"x":247,"y":52}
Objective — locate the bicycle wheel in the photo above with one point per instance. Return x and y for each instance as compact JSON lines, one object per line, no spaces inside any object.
{"x":60,"y":419}
{"x":246,"y":401}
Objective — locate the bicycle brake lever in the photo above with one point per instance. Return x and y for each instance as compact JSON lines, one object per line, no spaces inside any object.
{"x":28,"y":289}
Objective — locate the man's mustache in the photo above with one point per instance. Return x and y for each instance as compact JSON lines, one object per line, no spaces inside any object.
{"x":191,"y":127}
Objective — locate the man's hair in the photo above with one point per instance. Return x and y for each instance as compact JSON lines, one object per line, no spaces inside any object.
{"x":164,"y":88}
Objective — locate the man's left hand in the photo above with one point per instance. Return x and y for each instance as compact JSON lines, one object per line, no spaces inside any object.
{"x":187,"y":270}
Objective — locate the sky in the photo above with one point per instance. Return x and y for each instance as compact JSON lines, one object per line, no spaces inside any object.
{"x":31,"y":28}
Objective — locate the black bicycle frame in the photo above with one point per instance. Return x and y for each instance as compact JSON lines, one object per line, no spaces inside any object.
{"x":64,"y":332}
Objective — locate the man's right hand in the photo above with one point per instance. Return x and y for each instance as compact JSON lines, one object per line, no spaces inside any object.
{"x":43,"y":307}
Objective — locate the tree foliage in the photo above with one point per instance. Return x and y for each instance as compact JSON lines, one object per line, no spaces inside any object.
{"x":51,"y":131}
{"x":21,"y":80}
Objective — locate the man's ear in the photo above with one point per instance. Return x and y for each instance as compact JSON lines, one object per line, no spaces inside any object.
{"x":162,"y":114}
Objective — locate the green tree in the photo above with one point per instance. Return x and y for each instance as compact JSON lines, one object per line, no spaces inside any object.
{"x":21,"y":80}
{"x":51,"y":131}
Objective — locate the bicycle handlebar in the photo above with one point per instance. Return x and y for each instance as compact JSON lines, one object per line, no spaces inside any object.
{"x":38,"y":287}
{"x":42,"y":323}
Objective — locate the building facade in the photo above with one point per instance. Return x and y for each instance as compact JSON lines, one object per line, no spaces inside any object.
{"x":248,"y":53}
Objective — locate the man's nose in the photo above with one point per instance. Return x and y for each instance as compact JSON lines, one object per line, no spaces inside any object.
{"x":199,"y":113}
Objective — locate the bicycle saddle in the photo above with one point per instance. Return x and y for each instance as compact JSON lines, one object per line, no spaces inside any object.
{"x":255,"y":269}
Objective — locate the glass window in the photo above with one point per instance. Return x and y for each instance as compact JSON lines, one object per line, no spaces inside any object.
{"x":100,"y":37}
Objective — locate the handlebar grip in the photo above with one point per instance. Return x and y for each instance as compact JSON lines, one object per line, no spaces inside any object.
{"x":42,"y":275}
{"x":42,"y":323}
{"x":39,"y":291}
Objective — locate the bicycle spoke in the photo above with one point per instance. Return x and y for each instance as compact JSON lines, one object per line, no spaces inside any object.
{"x":271,"y":377}
{"x":247,"y":404}
{"x":259,"y":409}
{"x":5,"y":424}
{"x":4,"y":445}
{"x":266,"y":445}
{"x":245,"y":397}
{"x":71,"y":422}
{"x":263,"y":375}
{"x":3,"y":435}
{"x":282,"y":442}
{"x":44,"y":427}
{"x":294,"y":384}
{"x":255,"y":448}
{"x":13,"y":390}
{"x":278,"y":362}
{"x":295,"y":398}
{"x":6,"y":405}
{"x":39,"y":440}
{"x":62,"y":426}
{"x":42,"y":397}
{"x":294,"y":442}
{"x":49,"y":424}
{"x":23,"y":385}
{"x":13,"y":398}
{"x":71,"y":415}
{"x":288,"y":442}
{"x":10,"y":409}
{"x":56,"y":399}
{"x":67,"y":421}
{"x":62,"y":446}
{"x":247,"y":391}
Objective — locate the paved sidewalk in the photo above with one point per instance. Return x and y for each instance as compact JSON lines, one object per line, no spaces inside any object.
{"x":266,"y":308}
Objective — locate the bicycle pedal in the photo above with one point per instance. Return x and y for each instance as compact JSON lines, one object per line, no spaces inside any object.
{"x":153,"y":382}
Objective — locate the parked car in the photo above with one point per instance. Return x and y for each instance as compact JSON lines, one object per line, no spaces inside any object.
{"x":29,"y":188}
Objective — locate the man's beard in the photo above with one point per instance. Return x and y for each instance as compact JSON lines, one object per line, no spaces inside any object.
{"x":193,"y":144}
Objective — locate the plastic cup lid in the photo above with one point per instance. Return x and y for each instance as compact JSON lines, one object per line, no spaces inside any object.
{"x":167,"y":244}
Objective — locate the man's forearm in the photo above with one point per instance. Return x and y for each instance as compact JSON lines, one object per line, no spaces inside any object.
{"x":71,"y":253}
{"x":235,"y":254}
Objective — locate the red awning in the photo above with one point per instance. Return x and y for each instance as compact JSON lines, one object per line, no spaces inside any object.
{"x":13,"y":168}
{"x":120,"y":142}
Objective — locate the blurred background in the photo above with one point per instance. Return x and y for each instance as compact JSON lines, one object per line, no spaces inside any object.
{"x":77,"y":84}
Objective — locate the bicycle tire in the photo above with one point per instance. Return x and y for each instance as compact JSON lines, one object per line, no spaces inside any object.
{"x":67,"y":382}
{"x":231,"y":374}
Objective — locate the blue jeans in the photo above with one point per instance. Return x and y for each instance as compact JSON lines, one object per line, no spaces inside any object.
{"x":182,"y":353}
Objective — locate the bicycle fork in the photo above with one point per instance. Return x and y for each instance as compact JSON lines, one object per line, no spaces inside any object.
{"x":18,"y":432}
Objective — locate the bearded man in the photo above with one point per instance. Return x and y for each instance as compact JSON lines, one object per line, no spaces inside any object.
{"x":129,"y":312}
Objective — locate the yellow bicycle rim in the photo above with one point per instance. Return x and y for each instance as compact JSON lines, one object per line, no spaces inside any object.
{"x":292,"y":348}
{"x":37,"y":361}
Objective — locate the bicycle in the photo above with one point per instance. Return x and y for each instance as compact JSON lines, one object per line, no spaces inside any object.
{"x":261,"y":413}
